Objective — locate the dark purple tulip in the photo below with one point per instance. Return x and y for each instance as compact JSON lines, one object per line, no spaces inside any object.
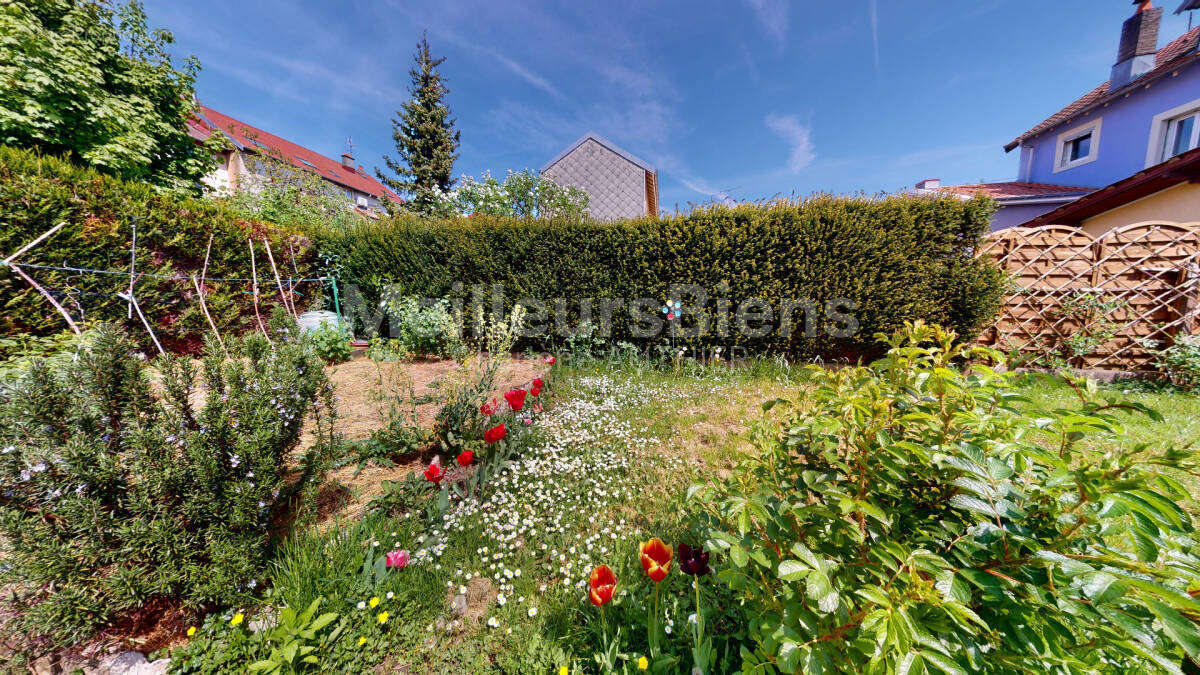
{"x":693,"y":561}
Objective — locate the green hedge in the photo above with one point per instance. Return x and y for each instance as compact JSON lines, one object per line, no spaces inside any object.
{"x":38,"y":192}
{"x":898,"y":258}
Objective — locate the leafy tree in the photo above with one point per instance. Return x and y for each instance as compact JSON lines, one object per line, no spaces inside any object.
{"x":522,"y":194}
{"x":89,"y":80}
{"x":426,"y":141}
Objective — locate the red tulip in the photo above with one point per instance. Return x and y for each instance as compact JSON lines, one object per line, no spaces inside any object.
{"x":466,"y":457}
{"x":601,"y":585}
{"x":488,"y":409}
{"x":656,"y":559}
{"x":495,"y":434}
{"x":535,"y":387}
{"x":516,"y":399}
{"x":550,"y":360}
{"x":435,"y":473}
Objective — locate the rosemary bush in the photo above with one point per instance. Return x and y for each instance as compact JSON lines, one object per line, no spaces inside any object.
{"x":117,"y":491}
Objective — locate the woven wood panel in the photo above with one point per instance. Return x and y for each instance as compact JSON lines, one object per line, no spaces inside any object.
{"x":1148,"y":274}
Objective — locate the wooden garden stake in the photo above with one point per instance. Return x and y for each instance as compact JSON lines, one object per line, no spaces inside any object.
{"x":35,"y":242}
{"x":138,"y":308}
{"x":278,"y":282}
{"x":211,"y":323}
{"x":38,"y":287}
{"x":132,"y":265}
{"x":49,"y":297}
{"x":254,"y":280}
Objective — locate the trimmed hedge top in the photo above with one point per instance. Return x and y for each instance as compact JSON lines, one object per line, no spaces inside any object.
{"x":895,"y":259}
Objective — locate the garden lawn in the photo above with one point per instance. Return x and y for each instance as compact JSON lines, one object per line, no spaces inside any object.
{"x":499,"y":585}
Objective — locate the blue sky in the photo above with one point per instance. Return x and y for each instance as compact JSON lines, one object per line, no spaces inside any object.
{"x":748,"y":99}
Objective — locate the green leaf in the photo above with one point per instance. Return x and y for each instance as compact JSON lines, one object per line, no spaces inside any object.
{"x":792,"y":570}
{"x":1102,"y":587}
{"x":1179,"y":629}
{"x":739,"y":556}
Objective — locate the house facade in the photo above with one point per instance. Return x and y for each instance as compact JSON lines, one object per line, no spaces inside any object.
{"x":1146,"y":113}
{"x":618,"y":184}
{"x":255,"y":157}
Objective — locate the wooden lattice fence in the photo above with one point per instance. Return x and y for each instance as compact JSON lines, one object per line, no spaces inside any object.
{"x":1112,"y":297}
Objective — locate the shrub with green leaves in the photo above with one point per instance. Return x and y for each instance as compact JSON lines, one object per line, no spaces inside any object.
{"x":117,"y":491}
{"x":910,"y":516}
{"x":331,"y":342}
{"x":1181,"y":362}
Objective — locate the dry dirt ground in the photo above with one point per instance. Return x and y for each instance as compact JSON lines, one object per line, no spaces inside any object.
{"x":358,"y":385}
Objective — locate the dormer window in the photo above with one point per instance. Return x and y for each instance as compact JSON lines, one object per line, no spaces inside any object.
{"x":1077,"y":146}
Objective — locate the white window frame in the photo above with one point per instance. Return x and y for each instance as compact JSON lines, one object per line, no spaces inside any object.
{"x":1069,"y":135}
{"x":1159,"y":127}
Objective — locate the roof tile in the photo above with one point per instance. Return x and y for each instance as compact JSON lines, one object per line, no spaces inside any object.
{"x":299,"y":156}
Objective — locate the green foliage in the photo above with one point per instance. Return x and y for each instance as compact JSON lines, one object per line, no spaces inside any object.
{"x":293,"y":641}
{"x":37,"y":193}
{"x":1086,"y":327}
{"x":1181,"y":362}
{"x":418,"y":328}
{"x":521,"y":195}
{"x":908,"y":517}
{"x":331,"y":343}
{"x":298,"y":200}
{"x":91,"y":80}
{"x":425,"y":138}
{"x":116,"y":491}
{"x":896,"y":258}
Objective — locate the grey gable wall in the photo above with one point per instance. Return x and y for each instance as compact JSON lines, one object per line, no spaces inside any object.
{"x":616,"y":187}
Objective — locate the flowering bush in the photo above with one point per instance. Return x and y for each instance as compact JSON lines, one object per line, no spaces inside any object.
{"x":908,"y":518}
{"x":115,"y":491}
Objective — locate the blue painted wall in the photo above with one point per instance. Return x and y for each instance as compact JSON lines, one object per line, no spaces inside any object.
{"x":1124,"y":134}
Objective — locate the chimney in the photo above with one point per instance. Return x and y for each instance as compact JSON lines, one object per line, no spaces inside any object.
{"x":347,"y":160}
{"x":930,"y":184}
{"x":1139,"y":43}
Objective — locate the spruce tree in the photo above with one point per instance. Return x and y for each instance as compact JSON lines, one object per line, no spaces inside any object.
{"x":425,"y":137}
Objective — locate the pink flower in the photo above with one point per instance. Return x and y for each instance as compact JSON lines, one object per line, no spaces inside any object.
{"x":397,"y":559}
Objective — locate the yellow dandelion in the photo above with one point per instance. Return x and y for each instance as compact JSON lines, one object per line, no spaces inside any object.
{"x":383,"y":617}
{"x":374,"y":601}
{"x":643,"y":664}
{"x":562,"y":670}
{"x":191,"y":631}
{"x":362,"y":641}
{"x":237,"y":619}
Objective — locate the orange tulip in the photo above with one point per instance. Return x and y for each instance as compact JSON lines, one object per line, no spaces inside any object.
{"x":601,"y":585}
{"x":656,"y":559}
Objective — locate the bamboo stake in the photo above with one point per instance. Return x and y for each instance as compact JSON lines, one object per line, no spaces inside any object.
{"x":211,"y":323}
{"x":254,"y":280}
{"x":35,"y":242}
{"x":295,"y":274}
{"x":132,"y":265}
{"x":136,"y":306}
{"x":43,"y":291}
{"x":278,"y":282}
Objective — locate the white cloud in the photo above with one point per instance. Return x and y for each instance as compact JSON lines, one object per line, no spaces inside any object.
{"x":798,"y":136}
{"x":773,"y":15}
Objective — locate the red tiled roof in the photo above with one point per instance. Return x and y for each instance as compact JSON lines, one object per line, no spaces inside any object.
{"x":257,"y":140}
{"x":1178,"y":53}
{"x":1015,"y":189}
